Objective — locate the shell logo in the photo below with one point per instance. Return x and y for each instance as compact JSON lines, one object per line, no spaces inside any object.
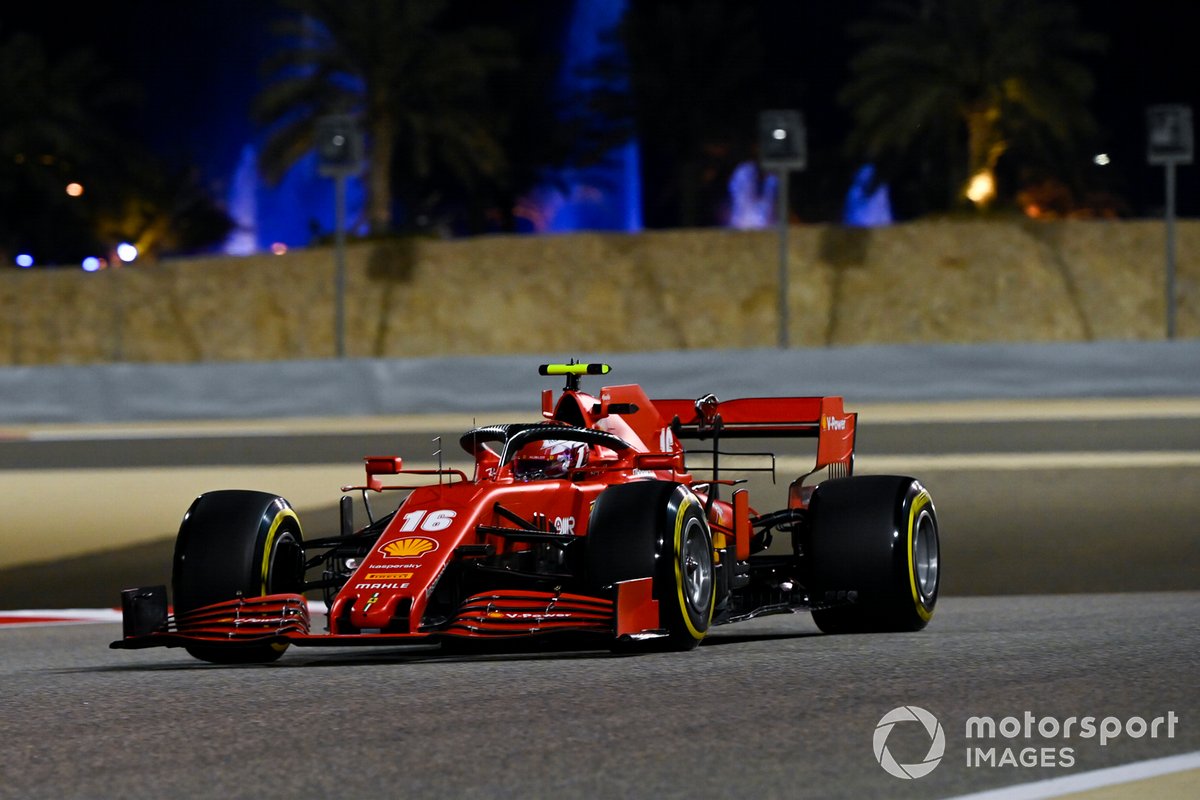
{"x":409,"y":547}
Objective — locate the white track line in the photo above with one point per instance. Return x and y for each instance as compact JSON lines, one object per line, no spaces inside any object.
{"x":1065,"y":409}
{"x":1085,"y":781}
{"x":56,"y":616}
{"x":1066,"y":460}
{"x":38,"y":617}
{"x":1041,"y":410}
{"x":445,"y":424}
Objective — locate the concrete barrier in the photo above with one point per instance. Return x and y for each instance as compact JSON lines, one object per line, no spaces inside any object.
{"x":368,"y":387}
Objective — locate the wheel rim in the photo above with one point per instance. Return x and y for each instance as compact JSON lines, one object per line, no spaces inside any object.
{"x":925,"y":556}
{"x":275,"y":581}
{"x":696,"y":561}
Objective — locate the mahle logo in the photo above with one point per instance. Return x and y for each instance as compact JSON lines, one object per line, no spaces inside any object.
{"x":933,"y":729}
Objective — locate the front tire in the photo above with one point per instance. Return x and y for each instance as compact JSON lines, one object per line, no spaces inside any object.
{"x":657,"y":529}
{"x":872,"y":554}
{"x":236,"y":543}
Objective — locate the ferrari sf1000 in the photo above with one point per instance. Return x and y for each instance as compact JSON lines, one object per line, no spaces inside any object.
{"x":596,"y":520}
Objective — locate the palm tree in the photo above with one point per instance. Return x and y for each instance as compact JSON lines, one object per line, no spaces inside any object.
{"x":970,"y":80}
{"x":162,"y":211}
{"x":414,"y":80}
{"x":54,"y":130}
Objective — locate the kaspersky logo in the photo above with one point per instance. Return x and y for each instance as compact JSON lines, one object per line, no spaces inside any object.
{"x":410,"y":547}
{"x":903,"y":716}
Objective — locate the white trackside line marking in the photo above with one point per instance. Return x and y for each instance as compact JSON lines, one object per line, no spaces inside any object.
{"x":916,"y":462}
{"x":58,"y":616}
{"x":12,"y":618}
{"x":1151,"y":459}
{"x":1065,"y":409}
{"x":1085,"y":781}
{"x":234,"y":429}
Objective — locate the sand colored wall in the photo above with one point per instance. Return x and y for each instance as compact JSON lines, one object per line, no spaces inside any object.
{"x":931,"y":281}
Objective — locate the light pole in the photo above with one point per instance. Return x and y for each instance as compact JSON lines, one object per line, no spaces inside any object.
{"x":782,"y":146}
{"x":339,"y":155}
{"x":1169,"y":142}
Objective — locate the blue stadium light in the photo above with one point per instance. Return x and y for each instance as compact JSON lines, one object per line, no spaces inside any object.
{"x":91,"y":264}
{"x":126,"y":252}
{"x":24,"y":261}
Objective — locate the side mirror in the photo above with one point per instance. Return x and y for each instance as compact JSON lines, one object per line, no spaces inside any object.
{"x":382,"y":465}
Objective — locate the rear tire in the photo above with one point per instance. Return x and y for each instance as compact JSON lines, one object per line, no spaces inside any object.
{"x":657,"y":529}
{"x":235,"y":543}
{"x":872,"y":554}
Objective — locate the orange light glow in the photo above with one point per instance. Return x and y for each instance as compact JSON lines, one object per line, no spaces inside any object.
{"x":75,"y":189}
{"x":982,"y":188}
{"x":279,"y":248}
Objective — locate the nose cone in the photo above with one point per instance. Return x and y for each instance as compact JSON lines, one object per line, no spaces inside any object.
{"x":373,"y":608}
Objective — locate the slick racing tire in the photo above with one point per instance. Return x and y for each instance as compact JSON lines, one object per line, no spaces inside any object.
{"x":872,"y":555}
{"x":656,"y":529}
{"x":235,"y":543}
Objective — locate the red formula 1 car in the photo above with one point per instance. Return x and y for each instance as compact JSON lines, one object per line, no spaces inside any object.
{"x":589,"y":522}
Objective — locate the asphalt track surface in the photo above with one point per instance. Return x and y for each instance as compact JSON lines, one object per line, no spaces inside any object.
{"x":766,"y":709}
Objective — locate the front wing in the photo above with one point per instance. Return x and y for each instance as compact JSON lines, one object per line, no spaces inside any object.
{"x":630,"y":611}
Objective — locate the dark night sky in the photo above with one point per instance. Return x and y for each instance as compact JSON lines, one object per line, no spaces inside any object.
{"x":195,"y":56}
{"x":1152,"y":58}
{"x":196,"y":61}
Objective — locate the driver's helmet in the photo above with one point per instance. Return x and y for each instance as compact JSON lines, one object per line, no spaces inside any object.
{"x":548,"y":458}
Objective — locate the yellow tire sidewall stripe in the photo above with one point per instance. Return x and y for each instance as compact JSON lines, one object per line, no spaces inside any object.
{"x":919,"y":502}
{"x":283,"y":514}
{"x":678,"y":554}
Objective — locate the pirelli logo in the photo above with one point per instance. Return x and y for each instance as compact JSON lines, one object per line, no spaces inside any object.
{"x":387,"y":576}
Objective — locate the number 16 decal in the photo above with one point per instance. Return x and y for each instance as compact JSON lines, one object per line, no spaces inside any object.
{"x":428,"y":521}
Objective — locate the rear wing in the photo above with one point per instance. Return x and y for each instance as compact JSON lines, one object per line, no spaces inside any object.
{"x":820,"y":418}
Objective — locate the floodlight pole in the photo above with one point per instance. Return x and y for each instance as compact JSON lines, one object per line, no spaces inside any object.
{"x":1169,"y":142}
{"x":1170,"y":220}
{"x":339,"y":155}
{"x":783,"y":147}
{"x":783,"y":258}
{"x":340,"y":260}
